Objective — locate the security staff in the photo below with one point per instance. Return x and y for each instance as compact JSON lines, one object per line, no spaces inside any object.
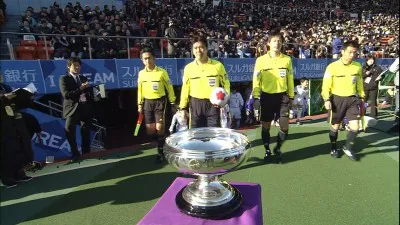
{"x":343,"y":92}
{"x":371,"y":71}
{"x":273,"y":90}
{"x":153,"y":86}
{"x":199,"y":78}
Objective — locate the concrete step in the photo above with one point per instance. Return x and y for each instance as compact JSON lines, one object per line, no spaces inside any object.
{"x":4,"y":52}
{"x":12,"y":25}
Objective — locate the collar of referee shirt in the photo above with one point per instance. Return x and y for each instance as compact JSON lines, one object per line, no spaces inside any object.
{"x":199,"y":63}
{"x":151,"y":70}
{"x":276,"y":56}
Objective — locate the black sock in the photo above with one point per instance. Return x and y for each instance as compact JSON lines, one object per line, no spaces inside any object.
{"x":282,"y":135}
{"x":333,"y":135}
{"x":351,"y":136}
{"x":160,"y":144}
{"x":266,"y":138}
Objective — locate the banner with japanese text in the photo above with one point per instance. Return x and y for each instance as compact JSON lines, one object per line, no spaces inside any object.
{"x":123,"y":73}
{"x":18,"y":74}
{"x":239,"y":70}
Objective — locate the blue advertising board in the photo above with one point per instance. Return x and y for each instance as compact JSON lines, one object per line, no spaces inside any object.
{"x":239,"y":70}
{"x":52,"y":70}
{"x":181,"y":63}
{"x":20,"y":73}
{"x":310,"y":68}
{"x":54,"y":142}
{"x":123,"y":73}
{"x":101,"y":71}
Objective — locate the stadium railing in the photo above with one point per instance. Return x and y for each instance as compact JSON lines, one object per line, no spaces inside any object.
{"x":40,"y":46}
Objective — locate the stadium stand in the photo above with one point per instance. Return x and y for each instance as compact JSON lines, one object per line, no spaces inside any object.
{"x":306,"y":25}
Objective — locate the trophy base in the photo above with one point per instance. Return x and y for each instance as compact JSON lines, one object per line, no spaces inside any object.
{"x":210,"y":212}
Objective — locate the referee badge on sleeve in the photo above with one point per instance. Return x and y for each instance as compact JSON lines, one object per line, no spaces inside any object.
{"x":327,"y":74}
{"x":256,"y":73}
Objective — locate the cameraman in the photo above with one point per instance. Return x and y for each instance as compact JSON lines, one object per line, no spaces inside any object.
{"x":60,"y":45}
{"x":370,"y":71}
{"x":173,"y":32}
{"x":103,"y":46}
{"x":76,"y":44}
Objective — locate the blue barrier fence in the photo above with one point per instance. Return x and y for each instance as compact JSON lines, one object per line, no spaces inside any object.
{"x":54,"y":142}
{"x":123,"y":73}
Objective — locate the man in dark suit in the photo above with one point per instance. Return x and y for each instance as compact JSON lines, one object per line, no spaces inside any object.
{"x":77,"y":106}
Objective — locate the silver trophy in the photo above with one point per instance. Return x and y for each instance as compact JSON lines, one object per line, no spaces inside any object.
{"x":208,"y":153}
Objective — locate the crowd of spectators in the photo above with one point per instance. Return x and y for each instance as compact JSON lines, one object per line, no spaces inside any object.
{"x":373,"y":6}
{"x":312,"y":29}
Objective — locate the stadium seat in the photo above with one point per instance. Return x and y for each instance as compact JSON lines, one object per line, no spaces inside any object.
{"x":238,"y":36}
{"x":27,"y":43}
{"x":164,"y":44}
{"x":26,"y":52}
{"x":384,"y":40}
{"x":41,"y":52}
{"x":135,"y":52}
{"x":141,"y":23}
{"x":29,"y":37}
{"x":41,"y":43}
{"x":378,"y":54}
{"x":152,"y":33}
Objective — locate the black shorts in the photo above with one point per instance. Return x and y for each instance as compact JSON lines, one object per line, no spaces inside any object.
{"x":344,"y":107}
{"x":274,"y":106}
{"x":154,"y":110}
{"x":203,"y":113}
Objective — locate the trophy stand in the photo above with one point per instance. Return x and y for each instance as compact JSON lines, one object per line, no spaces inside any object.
{"x":207,"y":153}
{"x":208,"y":197}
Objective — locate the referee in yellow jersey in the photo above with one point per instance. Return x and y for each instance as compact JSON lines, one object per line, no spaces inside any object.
{"x":273,"y":91}
{"x":199,"y":78}
{"x":343,"y":92}
{"x":153,"y":86}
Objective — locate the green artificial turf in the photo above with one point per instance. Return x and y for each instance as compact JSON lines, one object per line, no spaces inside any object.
{"x":309,"y":188}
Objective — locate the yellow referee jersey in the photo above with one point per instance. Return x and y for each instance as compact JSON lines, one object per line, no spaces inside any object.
{"x":200,"y":79}
{"x":273,"y":75}
{"x":154,"y":84}
{"x":342,"y":80}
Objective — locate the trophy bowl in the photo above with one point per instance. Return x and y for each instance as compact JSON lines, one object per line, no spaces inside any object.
{"x":207,"y":152}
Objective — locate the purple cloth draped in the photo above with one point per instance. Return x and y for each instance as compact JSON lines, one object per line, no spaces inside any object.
{"x":165,"y":211}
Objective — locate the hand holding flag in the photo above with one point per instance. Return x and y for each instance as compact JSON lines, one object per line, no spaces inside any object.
{"x":138,"y":123}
